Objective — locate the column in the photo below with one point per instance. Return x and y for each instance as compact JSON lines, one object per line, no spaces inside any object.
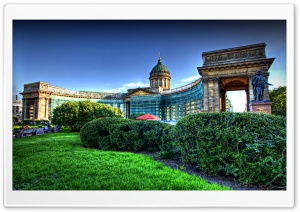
{"x":247,"y":99}
{"x":46,"y":108}
{"x":223,"y":101}
{"x":35,"y":109}
{"x":210,"y":95}
{"x":216,"y":94}
{"x":24,"y":109}
{"x":127,"y":109}
{"x":205,"y":94}
{"x":250,"y":88}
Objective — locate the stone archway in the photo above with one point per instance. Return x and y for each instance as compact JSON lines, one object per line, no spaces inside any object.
{"x":232,"y":84}
{"x":230,"y":70}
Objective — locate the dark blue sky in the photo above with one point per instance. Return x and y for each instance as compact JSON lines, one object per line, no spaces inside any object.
{"x":117,"y":55}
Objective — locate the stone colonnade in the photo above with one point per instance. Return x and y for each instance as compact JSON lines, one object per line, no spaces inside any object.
{"x":214,"y":99}
{"x":164,"y":82}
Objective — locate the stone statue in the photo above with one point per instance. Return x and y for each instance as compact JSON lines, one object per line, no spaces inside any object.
{"x":258,"y":83}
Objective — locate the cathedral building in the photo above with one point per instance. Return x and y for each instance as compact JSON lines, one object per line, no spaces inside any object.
{"x":223,"y":70}
{"x":40,"y":98}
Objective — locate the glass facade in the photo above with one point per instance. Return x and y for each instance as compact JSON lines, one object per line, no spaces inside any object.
{"x":172,"y":106}
{"x":146,"y":104}
{"x":178,"y":105}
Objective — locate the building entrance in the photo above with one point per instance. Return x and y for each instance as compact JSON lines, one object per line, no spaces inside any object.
{"x":233,"y":84}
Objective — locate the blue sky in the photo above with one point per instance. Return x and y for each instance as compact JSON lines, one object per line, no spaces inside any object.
{"x":117,"y":55}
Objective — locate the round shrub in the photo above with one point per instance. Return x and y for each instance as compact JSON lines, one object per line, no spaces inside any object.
{"x":122,"y":134}
{"x":249,"y":146}
{"x":99,"y":131}
{"x":137,"y":135}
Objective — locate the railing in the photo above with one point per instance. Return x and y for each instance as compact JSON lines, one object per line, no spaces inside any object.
{"x":90,"y":94}
{"x":63,"y":91}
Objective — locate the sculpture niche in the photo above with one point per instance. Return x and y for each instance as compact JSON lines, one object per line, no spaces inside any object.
{"x":258,"y":83}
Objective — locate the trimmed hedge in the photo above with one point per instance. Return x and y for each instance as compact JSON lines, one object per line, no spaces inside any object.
{"x":169,"y":147}
{"x":37,"y":121}
{"x":249,"y":146}
{"x":99,"y":130}
{"x":117,"y":134}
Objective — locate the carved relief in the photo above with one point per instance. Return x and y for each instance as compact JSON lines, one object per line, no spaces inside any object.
{"x":139,"y":93}
{"x":30,"y":88}
{"x":234,"y":55}
{"x":44,"y":86}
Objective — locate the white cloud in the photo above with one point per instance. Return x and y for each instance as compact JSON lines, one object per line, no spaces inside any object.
{"x":190,"y":79}
{"x":127,"y":86}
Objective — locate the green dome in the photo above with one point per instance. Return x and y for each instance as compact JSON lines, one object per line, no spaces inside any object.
{"x":159,"y":69}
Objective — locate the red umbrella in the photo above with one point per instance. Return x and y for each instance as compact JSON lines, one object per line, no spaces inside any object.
{"x":148,"y":117}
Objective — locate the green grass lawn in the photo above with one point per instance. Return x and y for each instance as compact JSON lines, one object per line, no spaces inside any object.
{"x":57,"y":161}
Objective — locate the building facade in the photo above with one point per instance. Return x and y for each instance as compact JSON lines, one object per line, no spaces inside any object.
{"x":40,"y":98}
{"x":222,"y":70}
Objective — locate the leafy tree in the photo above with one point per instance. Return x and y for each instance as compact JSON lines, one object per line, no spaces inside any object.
{"x":278,"y":99}
{"x":76,"y":114}
{"x":16,"y":119}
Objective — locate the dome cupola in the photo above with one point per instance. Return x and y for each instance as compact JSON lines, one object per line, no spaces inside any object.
{"x":160,"y":76}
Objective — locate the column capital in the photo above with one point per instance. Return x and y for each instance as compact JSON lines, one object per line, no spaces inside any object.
{"x":216,"y":79}
{"x":204,"y":80}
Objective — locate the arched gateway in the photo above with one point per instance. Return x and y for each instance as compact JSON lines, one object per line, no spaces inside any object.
{"x":230,"y":70}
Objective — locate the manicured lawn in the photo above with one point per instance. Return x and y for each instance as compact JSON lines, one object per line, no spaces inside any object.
{"x":57,"y":161}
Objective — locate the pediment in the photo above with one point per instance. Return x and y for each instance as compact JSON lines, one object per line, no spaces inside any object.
{"x":140,"y":93}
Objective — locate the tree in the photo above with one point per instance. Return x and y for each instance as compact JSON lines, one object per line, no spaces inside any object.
{"x":278,"y":99}
{"x":16,"y":119}
{"x":76,"y":114}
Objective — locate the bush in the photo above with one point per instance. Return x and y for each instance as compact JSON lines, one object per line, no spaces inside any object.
{"x":76,"y":114}
{"x":41,"y":121}
{"x":249,"y":146}
{"x":27,"y":121}
{"x":15,"y":119}
{"x":122,"y":134}
{"x":37,"y":121}
{"x":169,"y":147}
{"x":278,"y":99}
{"x":99,"y":131}
{"x":138,"y":136}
